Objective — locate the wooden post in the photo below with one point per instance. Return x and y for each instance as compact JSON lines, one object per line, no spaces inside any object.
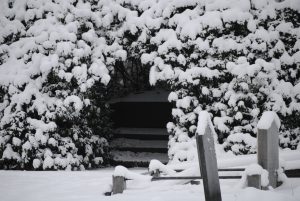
{"x":207,"y":158}
{"x":119,"y":184}
{"x":254,"y":181}
{"x":268,"y":150}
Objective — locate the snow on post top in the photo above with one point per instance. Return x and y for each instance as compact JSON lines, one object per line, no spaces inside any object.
{"x":267,"y":119}
{"x":120,"y":171}
{"x":203,"y":121}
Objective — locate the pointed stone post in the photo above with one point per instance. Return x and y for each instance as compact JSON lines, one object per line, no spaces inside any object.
{"x":267,"y":145}
{"x":207,"y":157}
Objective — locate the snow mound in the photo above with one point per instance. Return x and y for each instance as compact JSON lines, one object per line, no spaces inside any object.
{"x":157,"y":165}
{"x":124,"y":172}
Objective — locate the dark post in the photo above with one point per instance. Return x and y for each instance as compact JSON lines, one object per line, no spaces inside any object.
{"x":208,"y":161}
{"x":156,"y":173}
{"x":254,"y":181}
{"x":119,"y":184}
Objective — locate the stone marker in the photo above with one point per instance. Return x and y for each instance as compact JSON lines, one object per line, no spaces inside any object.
{"x":207,"y":158}
{"x":267,"y":146}
{"x":119,"y":184}
{"x":254,"y":181}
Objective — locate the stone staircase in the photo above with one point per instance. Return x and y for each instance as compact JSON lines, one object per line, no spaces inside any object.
{"x":140,"y":133}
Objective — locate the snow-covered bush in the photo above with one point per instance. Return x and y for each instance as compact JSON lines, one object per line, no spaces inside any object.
{"x":233,"y":58}
{"x":52,"y":79}
{"x":128,"y":27}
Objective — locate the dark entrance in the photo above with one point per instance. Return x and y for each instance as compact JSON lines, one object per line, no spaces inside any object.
{"x":140,"y":128}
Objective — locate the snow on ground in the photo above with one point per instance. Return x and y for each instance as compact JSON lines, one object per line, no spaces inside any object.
{"x":288,"y":159}
{"x":90,"y":185}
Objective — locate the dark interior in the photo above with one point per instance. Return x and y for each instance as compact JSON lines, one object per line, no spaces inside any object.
{"x":141,"y":114}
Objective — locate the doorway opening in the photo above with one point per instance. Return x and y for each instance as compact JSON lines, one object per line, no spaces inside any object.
{"x":140,"y":133}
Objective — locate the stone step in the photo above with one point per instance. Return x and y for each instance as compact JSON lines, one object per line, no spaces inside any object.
{"x":142,"y":133}
{"x":140,"y":159}
{"x":136,"y":145}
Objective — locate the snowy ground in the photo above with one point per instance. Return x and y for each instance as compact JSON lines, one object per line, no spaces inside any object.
{"x":90,"y":186}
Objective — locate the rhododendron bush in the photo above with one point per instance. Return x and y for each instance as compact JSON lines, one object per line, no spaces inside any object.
{"x":58,"y":59}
